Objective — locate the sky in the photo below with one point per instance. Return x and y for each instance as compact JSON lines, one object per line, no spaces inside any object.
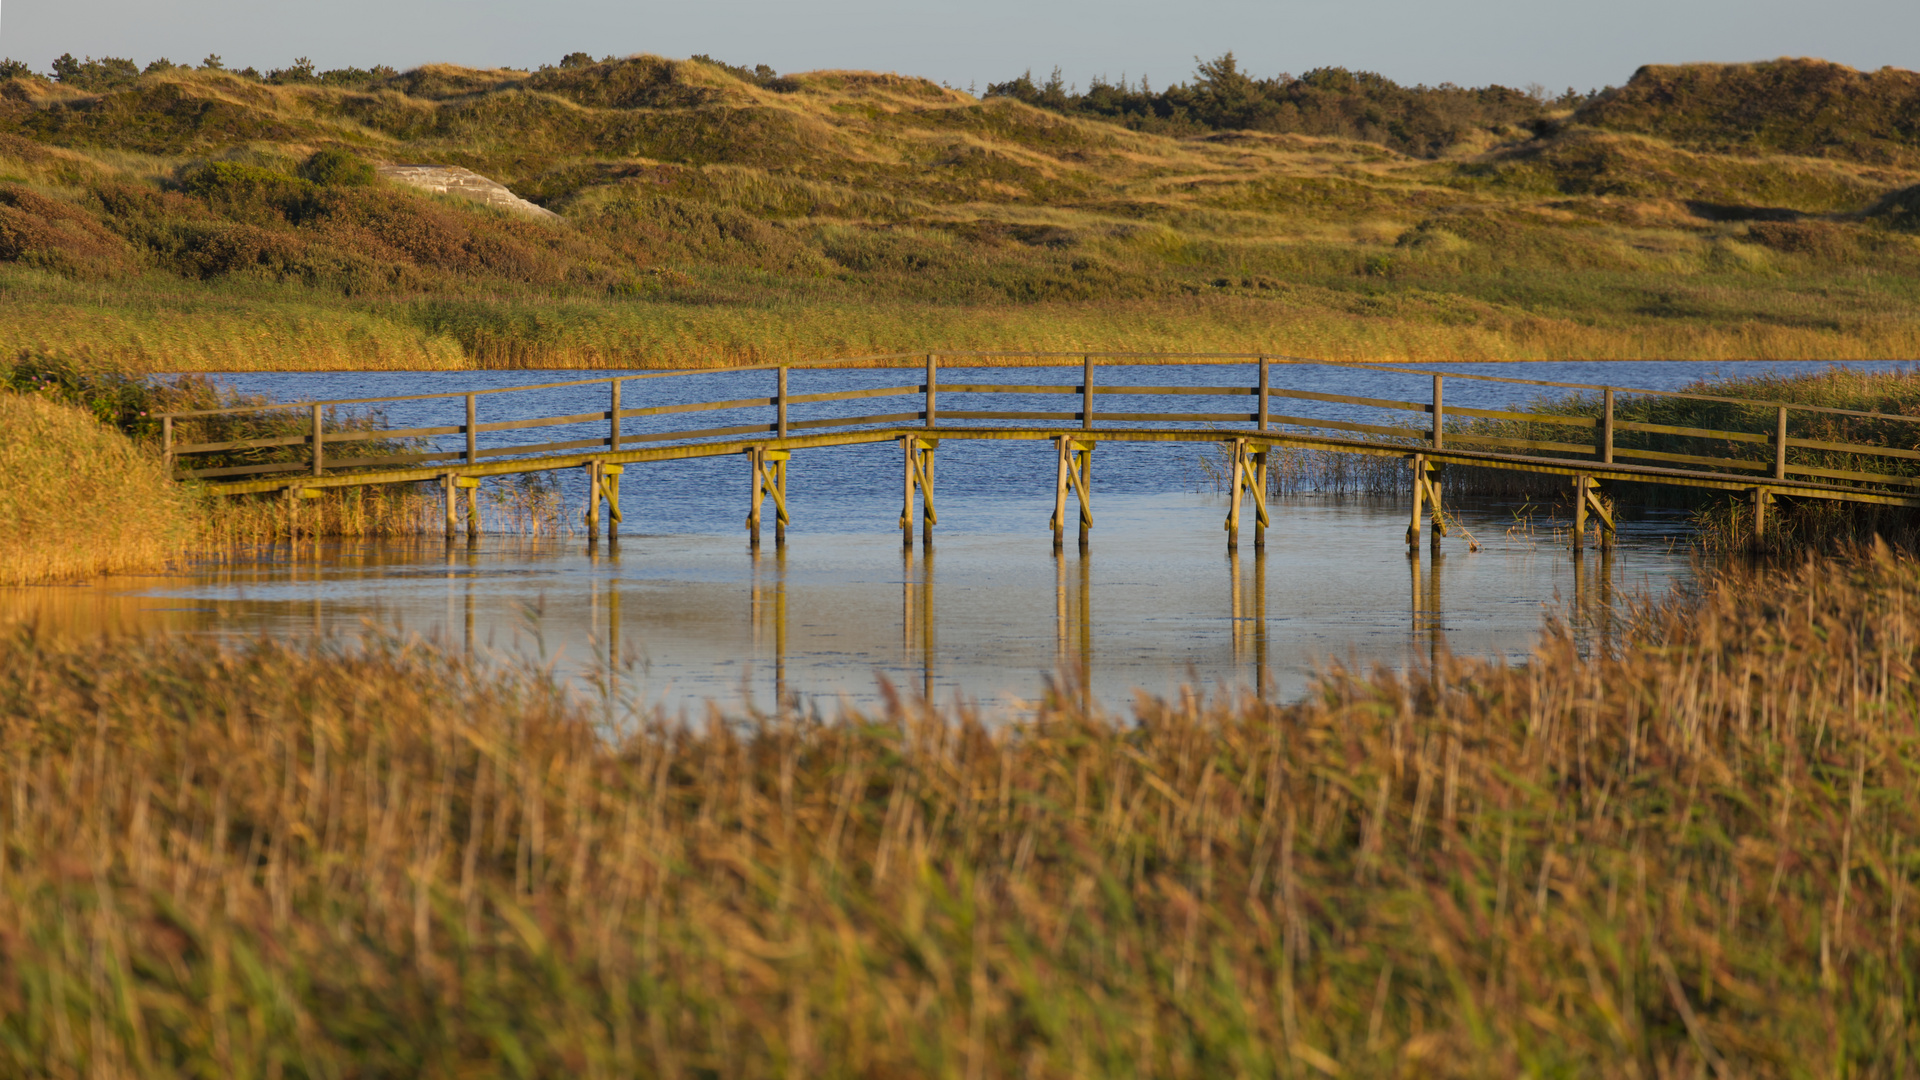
{"x":1553,"y":43}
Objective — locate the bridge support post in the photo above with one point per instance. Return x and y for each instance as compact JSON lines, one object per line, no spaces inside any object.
{"x":1762,"y":498}
{"x":1587,"y":500}
{"x":610,"y":487}
{"x":1260,"y":521}
{"x":918,"y":452}
{"x":1419,"y":493}
{"x":1249,"y":476}
{"x":603,"y":482}
{"x":769,"y":478}
{"x":593,"y":501}
{"x":1426,"y":499}
{"x":450,"y":485}
{"x":470,"y":485}
{"x":1075,"y":458}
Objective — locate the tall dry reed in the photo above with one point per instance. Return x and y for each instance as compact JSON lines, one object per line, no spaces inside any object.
{"x":77,"y":497}
{"x":1691,"y":858}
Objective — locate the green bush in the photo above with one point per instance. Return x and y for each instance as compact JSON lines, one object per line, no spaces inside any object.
{"x":334,"y":167}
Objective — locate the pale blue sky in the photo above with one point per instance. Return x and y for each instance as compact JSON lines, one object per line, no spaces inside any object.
{"x":1471,"y":42}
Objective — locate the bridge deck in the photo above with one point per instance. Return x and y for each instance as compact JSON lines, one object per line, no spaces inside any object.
{"x":732,"y":448}
{"x":1763,"y":458}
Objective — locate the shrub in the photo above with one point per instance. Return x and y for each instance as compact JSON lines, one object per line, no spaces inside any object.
{"x":90,"y":74}
{"x":57,"y":235}
{"x":300,"y":71}
{"x":247,"y":192}
{"x":334,"y":167}
{"x":1793,"y":106}
{"x":1331,"y":101}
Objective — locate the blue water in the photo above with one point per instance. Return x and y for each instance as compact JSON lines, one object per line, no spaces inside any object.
{"x":857,"y":488}
{"x":681,"y":612}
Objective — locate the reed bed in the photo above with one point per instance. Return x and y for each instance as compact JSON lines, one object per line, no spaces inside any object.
{"x":528,"y":505}
{"x":78,"y":498}
{"x":1723,"y":522}
{"x":1689,"y":857}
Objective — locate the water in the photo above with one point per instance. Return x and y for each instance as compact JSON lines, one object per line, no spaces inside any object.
{"x":680,"y":612}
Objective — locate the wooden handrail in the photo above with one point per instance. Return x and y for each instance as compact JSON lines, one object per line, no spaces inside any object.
{"x":1606,"y":447}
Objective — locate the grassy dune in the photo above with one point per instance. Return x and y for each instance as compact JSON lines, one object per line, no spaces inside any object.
{"x":1692,"y":859}
{"x":178,"y":220}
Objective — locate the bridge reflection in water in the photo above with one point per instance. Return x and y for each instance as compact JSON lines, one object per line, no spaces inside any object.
{"x":678,"y":620}
{"x":919,"y":649}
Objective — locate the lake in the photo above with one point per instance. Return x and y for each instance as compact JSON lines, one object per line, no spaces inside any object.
{"x":680,"y":612}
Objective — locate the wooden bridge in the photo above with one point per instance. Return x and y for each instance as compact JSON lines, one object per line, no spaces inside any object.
{"x":767,"y":428}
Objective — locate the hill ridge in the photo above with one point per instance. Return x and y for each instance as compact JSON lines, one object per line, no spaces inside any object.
{"x":717,"y":213}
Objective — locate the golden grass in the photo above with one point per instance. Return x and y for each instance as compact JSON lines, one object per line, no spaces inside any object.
{"x":78,"y":498}
{"x":1691,"y":859}
{"x":710,"y":220}
{"x":294,"y":333}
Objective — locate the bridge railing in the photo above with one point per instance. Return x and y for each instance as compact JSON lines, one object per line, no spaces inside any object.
{"x":1593,"y":423}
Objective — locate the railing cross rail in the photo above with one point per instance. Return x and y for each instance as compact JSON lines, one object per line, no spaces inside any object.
{"x":1788,"y":460}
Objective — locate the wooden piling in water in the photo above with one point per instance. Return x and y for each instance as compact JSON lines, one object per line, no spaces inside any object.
{"x":918,"y":454}
{"x":593,"y":501}
{"x":471,"y":485}
{"x":1580,"y":512}
{"x":906,"y":506}
{"x":1426,"y":501}
{"x":1076,"y":473}
{"x":755,"y":494}
{"x":1260,"y":501}
{"x":1248,"y":476}
{"x":610,"y":487}
{"x":778,"y":474}
{"x":1059,"y":519}
{"x":1419,"y":465}
{"x":1587,"y":501}
{"x":769,"y":475}
{"x":1234,"y":484}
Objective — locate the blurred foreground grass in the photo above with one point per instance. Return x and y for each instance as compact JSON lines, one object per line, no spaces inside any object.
{"x":378,"y":860}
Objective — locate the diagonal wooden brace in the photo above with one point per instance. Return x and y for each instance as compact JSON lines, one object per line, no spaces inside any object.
{"x":1426,"y":499}
{"x":610,"y":490}
{"x":1587,"y":500}
{"x":1248,"y":476}
{"x":1080,"y":474}
{"x":773,"y":478}
{"x":919,"y":475}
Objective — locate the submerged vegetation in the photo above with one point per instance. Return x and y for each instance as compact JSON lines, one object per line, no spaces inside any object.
{"x":1693,"y":856}
{"x":198,"y":218}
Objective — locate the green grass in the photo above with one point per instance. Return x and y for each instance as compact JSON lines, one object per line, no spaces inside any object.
{"x":174,"y":223}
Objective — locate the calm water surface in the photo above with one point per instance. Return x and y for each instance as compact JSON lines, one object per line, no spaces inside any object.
{"x":680,"y":612}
